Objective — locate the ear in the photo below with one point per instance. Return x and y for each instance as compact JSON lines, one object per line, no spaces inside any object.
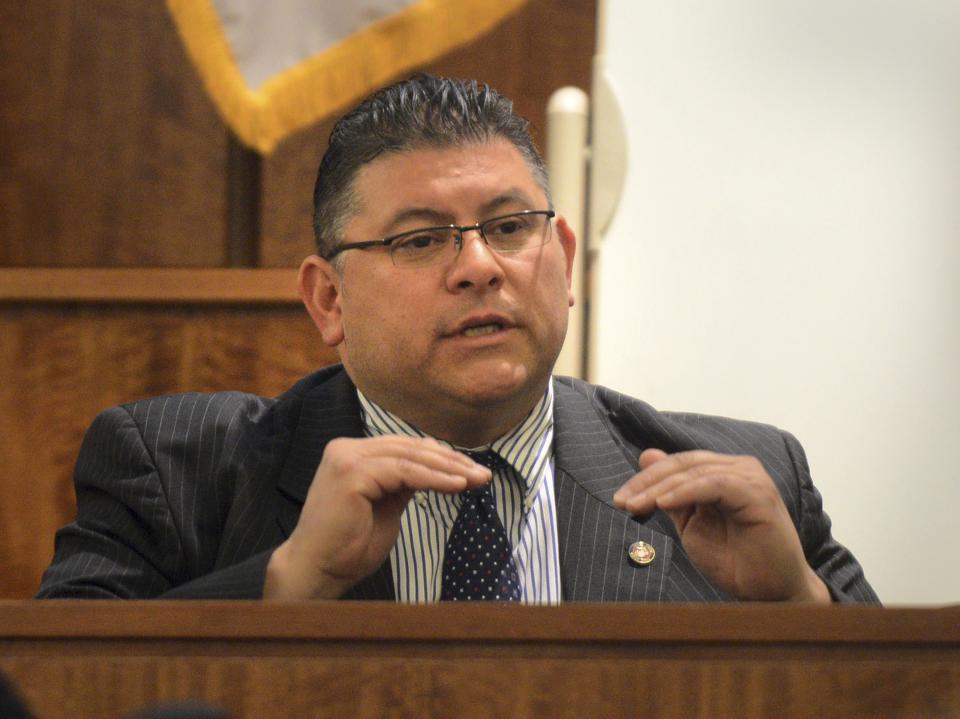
{"x":319,"y":287}
{"x":568,"y":243}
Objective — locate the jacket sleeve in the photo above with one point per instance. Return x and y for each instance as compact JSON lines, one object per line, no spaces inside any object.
{"x":832,"y":562}
{"x":126,"y":540}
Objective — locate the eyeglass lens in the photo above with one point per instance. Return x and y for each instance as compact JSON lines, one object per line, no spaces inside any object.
{"x":511,"y":233}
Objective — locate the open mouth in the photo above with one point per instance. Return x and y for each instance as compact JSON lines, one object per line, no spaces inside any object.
{"x":478,"y":330}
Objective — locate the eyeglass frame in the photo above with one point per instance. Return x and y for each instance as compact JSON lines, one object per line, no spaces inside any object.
{"x":458,"y":241}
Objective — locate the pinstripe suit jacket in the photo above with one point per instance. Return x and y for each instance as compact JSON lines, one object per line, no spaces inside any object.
{"x":187,"y":495}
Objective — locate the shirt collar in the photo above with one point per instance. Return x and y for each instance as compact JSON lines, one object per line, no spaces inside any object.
{"x":524,"y":447}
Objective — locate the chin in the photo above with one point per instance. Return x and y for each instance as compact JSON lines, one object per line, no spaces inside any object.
{"x":491,"y":385}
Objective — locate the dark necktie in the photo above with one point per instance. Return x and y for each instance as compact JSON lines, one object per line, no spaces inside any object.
{"x":478,"y":561}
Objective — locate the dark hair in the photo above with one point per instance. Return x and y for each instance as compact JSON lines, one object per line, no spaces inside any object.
{"x":424,"y":111}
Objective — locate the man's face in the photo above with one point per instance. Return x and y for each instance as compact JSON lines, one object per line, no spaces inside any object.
{"x":401,"y":331}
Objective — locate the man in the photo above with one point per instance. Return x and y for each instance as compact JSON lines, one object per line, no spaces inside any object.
{"x":443,"y":279}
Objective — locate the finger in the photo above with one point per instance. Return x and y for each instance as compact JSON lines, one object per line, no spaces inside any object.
{"x":424,"y":449}
{"x":669,"y":464}
{"x":635,"y":484}
{"x":390,"y":475}
{"x":347,"y":457}
{"x":649,"y":456}
{"x":654,"y":465}
{"x":438,"y":456}
{"x":685,"y":490}
{"x":660,"y":466}
{"x":647,"y":498}
{"x":680,"y":517}
{"x":732,"y":494}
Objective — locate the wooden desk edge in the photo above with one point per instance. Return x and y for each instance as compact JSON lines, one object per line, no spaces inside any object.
{"x":158,"y":285}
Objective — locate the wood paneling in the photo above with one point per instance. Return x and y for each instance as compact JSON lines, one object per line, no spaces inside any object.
{"x":157,"y":285}
{"x":466,"y":686}
{"x":546,"y":45}
{"x":111,"y":153}
{"x":376,"y":659}
{"x":61,"y":364}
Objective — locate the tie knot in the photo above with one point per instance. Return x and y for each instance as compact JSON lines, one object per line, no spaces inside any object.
{"x":488,"y":458}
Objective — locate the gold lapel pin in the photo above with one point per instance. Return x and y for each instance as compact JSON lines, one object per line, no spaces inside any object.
{"x":641,"y":553}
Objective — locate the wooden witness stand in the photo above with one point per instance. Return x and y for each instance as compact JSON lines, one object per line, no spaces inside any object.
{"x":371,"y":659}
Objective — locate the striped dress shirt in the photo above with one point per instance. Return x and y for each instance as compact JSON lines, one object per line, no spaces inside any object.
{"x":524,"y":496}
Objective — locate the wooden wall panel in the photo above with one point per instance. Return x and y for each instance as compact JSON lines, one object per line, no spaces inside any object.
{"x":112,"y":155}
{"x":110,"y":152}
{"x":470,"y":687}
{"x":546,"y":45}
{"x":60,"y":365}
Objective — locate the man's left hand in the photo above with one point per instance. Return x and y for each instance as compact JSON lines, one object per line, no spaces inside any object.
{"x":732,"y":522}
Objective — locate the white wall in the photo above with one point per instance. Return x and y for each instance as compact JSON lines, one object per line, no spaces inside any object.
{"x":788,"y":249}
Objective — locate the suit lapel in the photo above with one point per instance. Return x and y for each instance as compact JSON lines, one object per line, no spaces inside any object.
{"x":328,"y":411}
{"x":591,"y":463}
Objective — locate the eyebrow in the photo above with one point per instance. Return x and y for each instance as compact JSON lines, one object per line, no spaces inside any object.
{"x":510,"y":197}
{"x":425,"y":214}
{"x":437,"y":218}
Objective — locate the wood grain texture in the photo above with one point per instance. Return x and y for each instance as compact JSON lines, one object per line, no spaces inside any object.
{"x":112,"y":155}
{"x":382,"y":659}
{"x":62,"y":364}
{"x":614,"y":624}
{"x":110,"y":152}
{"x":545,"y":46}
{"x":154,"y":285}
{"x":525,"y":687}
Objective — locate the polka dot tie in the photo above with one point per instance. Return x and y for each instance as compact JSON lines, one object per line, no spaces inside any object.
{"x":478,"y":561}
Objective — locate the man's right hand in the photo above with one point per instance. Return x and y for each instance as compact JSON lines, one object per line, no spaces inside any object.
{"x":351,"y":517}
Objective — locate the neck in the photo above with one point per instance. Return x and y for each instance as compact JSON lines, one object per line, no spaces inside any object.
{"x":467,"y":428}
{"x":472,"y":432}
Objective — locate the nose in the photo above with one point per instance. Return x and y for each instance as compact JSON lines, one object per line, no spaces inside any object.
{"x":476,"y":265}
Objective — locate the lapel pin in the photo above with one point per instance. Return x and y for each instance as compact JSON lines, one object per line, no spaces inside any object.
{"x":641,"y":553}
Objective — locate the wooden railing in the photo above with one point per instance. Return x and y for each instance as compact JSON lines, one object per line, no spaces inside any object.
{"x":366,"y":659}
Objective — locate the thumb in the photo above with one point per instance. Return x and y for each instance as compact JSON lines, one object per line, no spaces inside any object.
{"x":651,"y":456}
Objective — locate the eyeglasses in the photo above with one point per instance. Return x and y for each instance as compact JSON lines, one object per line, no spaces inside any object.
{"x":432,"y":245}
